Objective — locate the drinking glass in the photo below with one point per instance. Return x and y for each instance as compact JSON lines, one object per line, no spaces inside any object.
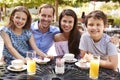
{"x":59,"y":67}
{"x":94,"y":67}
{"x":31,"y":63}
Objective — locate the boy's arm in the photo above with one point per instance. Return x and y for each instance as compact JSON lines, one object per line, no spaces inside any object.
{"x":111,"y":63}
{"x":82,"y":53}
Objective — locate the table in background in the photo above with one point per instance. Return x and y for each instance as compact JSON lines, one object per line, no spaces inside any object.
{"x":47,"y":72}
{"x":113,"y":32}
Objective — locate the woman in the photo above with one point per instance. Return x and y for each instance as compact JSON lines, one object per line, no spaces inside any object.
{"x":67,"y":41}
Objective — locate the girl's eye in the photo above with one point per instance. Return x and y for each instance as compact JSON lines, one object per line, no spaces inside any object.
{"x":17,"y":17}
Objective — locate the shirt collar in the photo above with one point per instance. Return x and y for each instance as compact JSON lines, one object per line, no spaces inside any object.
{"x":36,"y":25}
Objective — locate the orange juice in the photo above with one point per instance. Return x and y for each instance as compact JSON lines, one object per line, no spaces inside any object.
{"x":31,"y":67}
{"x":94,"y":69}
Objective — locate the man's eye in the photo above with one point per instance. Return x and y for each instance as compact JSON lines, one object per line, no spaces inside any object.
{"x":44,"y":15}
{"x":49,"y":16}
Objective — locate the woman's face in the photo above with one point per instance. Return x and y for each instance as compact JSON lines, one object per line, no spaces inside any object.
{"x":95,"y":28}
{"x":67,"y":23}
{"x":19,"y":19}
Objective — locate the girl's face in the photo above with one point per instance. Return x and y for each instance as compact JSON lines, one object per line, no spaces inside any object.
{"x":95,"y":28}
{"x":19,"y":19}
{"x":67,"y":23}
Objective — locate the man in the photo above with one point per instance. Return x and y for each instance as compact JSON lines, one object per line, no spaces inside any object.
{"x":42,"y":30}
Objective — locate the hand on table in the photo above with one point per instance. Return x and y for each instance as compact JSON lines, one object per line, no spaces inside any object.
{"x":50,"y":56}
{"x":88,"y":57}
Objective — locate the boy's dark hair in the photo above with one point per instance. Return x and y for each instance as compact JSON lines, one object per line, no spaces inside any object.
{"x":97,"y":14}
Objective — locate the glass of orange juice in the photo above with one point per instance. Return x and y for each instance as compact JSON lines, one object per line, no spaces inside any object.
{"x":94,"y":67}
{"x":31,"y":63}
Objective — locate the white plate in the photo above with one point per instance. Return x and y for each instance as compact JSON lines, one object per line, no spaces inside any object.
{"x":11,"y":68}
{"x":71,"y":61}
{"x":83,"y":65}
{"x":44,"y":61}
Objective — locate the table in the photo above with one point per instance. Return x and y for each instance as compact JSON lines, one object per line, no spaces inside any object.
{"x":112,"y":31}
{"x":47,"y":72}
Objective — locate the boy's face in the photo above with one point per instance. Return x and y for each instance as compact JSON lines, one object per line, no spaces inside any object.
{"x":95,"y":28}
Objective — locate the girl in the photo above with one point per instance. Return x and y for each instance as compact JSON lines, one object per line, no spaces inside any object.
{"x":17,"y":36}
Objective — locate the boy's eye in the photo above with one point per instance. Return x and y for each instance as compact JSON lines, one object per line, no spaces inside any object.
{"x":98,"y":24}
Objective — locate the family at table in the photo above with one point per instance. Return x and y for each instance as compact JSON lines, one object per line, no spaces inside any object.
{"x":20,"y":36}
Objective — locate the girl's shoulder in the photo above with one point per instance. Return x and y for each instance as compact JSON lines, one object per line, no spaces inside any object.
{"x":6,"y":29}
{"x":27,"y":32}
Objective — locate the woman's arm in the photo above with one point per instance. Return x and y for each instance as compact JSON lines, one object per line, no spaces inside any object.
{"x":10,"y":47}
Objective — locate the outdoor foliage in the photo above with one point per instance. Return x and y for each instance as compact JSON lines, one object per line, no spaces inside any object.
{"x":63,"y":3}
{"x":32,"y":3}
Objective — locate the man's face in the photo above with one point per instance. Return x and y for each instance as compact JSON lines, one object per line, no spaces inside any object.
{"x":46,"y":17}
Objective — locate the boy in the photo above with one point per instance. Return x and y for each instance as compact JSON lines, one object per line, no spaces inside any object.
{"x":96,"y":42}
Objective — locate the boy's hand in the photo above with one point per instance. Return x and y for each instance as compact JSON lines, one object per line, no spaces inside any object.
{"x":88,"y":57}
